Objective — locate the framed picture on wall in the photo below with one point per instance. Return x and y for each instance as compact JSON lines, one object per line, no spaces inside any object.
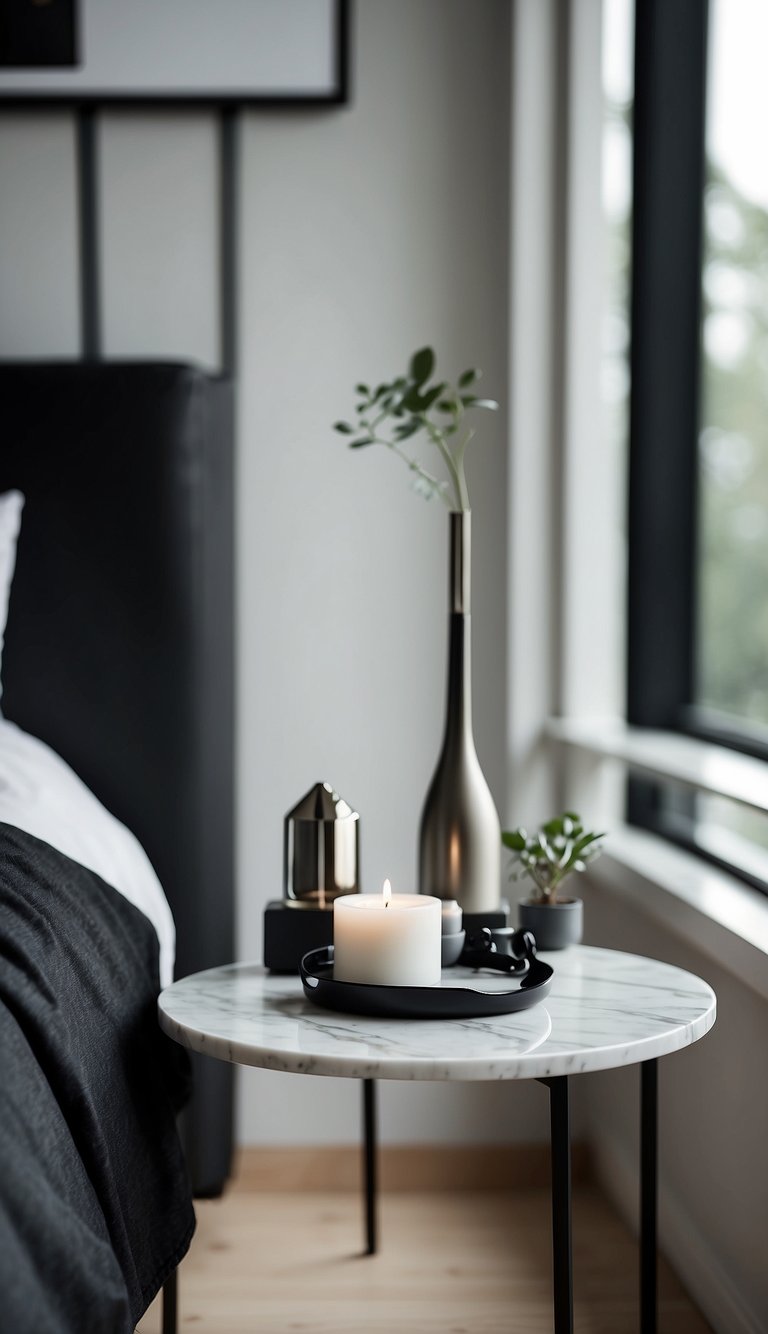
{"x":157,"y":51}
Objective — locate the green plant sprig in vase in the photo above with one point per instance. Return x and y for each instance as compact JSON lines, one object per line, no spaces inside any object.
{"x":400,"y":409}
{"x":459,"y":832}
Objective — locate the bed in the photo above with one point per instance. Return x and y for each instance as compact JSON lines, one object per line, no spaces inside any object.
{"x":117,"y":667}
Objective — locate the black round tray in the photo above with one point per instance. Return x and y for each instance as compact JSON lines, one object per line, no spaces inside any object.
{"x":440,"y":1002}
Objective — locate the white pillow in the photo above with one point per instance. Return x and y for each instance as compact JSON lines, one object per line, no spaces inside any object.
{"x":11,"y":504}
{"x":42,"y":795}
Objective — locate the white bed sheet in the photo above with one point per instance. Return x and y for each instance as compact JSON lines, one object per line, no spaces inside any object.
{"x":42,"y":795}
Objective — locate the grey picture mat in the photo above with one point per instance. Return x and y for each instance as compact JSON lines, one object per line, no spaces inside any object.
{"x":245,"y":49}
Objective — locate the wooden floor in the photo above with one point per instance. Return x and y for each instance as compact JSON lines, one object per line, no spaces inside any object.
{"x":453,"y":1263}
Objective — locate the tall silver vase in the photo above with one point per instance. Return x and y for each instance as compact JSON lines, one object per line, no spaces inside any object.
{"x":460,"y":834}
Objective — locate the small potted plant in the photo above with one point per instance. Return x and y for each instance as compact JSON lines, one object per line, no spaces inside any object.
{"x":560,"y":847}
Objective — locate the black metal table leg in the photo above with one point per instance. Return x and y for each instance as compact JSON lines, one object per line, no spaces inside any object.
{"x":562,"y":1259}
{"x":170,"y":1299}
{"x":648,"y":1194}
{"x":369,"y":1164}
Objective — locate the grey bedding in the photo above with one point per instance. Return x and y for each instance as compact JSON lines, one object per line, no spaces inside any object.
{"x":95,"y":1204}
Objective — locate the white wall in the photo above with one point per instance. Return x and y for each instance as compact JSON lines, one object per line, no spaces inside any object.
{"x":38,"y":241}
{"x":366,"y":232}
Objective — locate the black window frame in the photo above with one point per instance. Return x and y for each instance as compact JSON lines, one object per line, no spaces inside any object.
{"x":669,"y":165}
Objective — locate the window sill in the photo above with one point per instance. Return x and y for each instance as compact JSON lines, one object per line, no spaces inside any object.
{"x":716,"y":912}
{"x":725,"y":918}
{"x":701,"y":765}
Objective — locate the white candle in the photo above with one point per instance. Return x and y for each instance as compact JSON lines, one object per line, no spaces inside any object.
{"x":452,"y":917}
{"x":387,"y":939}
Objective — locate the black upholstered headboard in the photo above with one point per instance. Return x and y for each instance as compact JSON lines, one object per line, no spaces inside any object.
{"x":119,"y":646}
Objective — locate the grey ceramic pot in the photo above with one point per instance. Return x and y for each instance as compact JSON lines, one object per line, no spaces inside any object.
{"x":554,"y":925}
{"x":451,"y":947}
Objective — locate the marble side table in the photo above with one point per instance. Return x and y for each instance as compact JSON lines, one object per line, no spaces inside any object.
{"x":605,"y":1009}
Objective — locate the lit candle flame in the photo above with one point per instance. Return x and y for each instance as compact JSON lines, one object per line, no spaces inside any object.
{"x":387,"y":892}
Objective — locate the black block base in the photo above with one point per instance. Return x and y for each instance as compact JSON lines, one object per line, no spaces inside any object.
{"x":475,"y":921}
{"x":289,"y":934}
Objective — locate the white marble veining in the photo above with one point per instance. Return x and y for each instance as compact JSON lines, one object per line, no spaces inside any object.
{"x":605,"y":1009}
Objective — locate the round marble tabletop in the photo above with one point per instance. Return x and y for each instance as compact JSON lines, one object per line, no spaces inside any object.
{"x":605,"y":1009}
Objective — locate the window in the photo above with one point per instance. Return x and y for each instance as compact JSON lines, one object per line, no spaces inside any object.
{"x":731,"y":646}
{"x":698,"y":469}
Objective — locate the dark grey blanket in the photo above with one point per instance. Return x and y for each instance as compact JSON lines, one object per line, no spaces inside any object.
{"x":95,"y":1206}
